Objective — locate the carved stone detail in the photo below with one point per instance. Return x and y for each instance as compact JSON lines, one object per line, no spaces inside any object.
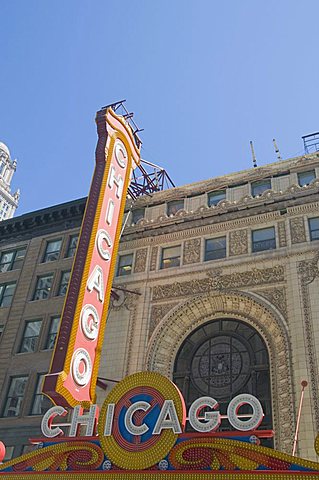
{"x":125,"y":299}
{"x":154,"y":253}
{"x":276,"y":296}
{"x":216,"y":281}
{"x":297,"y":230}
{"x":191,"y":251}
{"x":282,"y":234}
{"x":308,"y":272}
{"x":238,"y":242}
{"x":177,"y":325}
{"x":158,"y":312}
{"x":140,"y":260}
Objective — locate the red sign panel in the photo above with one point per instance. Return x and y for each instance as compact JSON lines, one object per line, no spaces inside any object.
{"x":74,"y":368}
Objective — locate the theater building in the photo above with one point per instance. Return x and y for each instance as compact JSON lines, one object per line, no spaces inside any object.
{"x":216,"y":288}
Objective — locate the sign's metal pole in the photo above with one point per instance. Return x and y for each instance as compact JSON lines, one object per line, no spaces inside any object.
{"x":304,"y":384}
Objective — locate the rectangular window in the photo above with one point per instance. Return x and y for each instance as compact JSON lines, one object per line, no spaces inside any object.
{"x":263,"y":239}
{"x":171,"y":257}
{"x":314,"y":228}
{"x":73,"y":242}
{"x":125,"y":265}
{"x":15,"y":396}
{"x":215,"y":197}
{"x":6,"y":294}
{"x":54,"y":327}
{"x":52,"y":250}
{"x":215,"y":248}
{"x":9,"y":453}
{"x":305,"y":178}
{"x":40,"y":403}
{"x":137,"y":214}
{"x":174,"y":207}
{"x":257,"y":188}
{"x":43,"y":287}
{"x":30,"y":336}
{"x":65,"y":277}
{"x":1,"y":330}
{"x":12,"y":260}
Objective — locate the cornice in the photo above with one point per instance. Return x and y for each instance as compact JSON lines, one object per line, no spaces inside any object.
{"x":40,"y":220}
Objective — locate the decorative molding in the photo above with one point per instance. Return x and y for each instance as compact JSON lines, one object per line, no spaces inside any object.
{"x":282,"y":234}
{"x":140,"y":260}
{"x":154,"y":254}
{"x":276,"y":296}
{"x":198,"y":310}
{"x":269,"y":196}
{"x":158,"y":312}
{"x":191,"y":252}
{"x":297,"y":230}
{"x":308,"y":272}
{"x":126,"y":298}
{"x":216,"y":281}
{"x":238,"y":242}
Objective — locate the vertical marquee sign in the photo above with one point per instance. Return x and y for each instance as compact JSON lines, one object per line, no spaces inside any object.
{"x":75,"y":362}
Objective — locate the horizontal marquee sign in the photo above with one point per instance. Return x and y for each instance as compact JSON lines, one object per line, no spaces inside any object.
{"x":140,"y":435}
{"x":74,"y":367}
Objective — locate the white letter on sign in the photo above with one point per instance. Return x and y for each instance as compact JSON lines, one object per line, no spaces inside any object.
{"x":46,"y":424}
{"x":120,"y":153}
{"x":212,"y":419}
{"x":119,"y":182}
{"x":103,"y":236}
{"x":234,"y":406}
{"x":167,"y":419}
{"x":130,"y":426}
{"x":90,"y":321}
{"x":95,"y":281}
{"x":81,"y":367}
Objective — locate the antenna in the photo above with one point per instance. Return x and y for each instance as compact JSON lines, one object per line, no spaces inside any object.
{"x":253,"y":154}
{"x":277,"y":150}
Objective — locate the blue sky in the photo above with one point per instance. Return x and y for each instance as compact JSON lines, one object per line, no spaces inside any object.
{"x":203,"y":77}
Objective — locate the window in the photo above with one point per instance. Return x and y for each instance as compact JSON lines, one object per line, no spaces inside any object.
{"x":174,"y":206}
{"x":9,"y":453}
{"x":15,"y":396}
{"x":125,"y":265}
{"x":215,"y":248}
{"x":264,"y":239}
{"x":52,"y":251}
{"x":30,"y":336}
{"x":43,"y":287}
{"x":72,"y":246}
{"x":257,"y":188}
{"x":137,"y":215}
{"x":12,"y":260}
{"x":305,"y":178}
{"x":216,"y":197}
{"x":40,"y":403}
{"x":54,"y":327}
{"x":222,"y":359}
{"x":1,"y":330}
{"x":171,"y":257}
{"x":314,"y":228}
{"x":65,"y":277}
{"x":6,"y":293}
{"x":4,"y":210}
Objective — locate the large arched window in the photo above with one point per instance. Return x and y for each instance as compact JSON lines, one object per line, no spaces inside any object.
{"x":222,"y":359}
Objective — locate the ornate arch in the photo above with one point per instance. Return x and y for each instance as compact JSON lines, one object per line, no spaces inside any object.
{"x":251,"y":309}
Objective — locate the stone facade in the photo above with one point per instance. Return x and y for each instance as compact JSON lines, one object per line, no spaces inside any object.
{"x":270,"y":285}
{"x":8,"y":201}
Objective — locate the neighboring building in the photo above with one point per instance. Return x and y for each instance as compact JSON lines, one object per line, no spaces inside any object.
{"x":217,"y":287}
{"x":8,"y":201}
